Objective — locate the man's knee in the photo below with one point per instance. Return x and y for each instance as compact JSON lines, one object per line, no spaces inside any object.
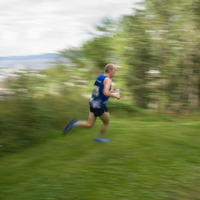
{"x":90,"y":125}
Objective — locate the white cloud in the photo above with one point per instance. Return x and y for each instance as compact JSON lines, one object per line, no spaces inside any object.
{"x":40,"y":26}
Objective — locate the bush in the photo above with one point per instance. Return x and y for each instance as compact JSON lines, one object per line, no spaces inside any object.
{"x":27,"y":121}
{"x":124,"y":109}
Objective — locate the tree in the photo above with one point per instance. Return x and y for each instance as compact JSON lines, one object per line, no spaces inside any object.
{"x":99,"y":51}
{"x":138,"y":57}
{"x":164,"y":36}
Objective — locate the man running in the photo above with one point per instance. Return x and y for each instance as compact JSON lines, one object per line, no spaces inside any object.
{"x":98,"y":108}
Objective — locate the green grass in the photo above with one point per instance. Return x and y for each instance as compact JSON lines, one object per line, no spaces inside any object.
{"x":150,"y":160}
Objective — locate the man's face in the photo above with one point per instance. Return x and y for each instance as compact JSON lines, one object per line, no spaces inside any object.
{"x":112,"y":72}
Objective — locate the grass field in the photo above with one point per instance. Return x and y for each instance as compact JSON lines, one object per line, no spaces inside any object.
{"x":147,"y":160}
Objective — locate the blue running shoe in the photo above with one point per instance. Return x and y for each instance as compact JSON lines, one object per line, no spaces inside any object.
{"x":102,"y":140}
{"x":69,"y":126}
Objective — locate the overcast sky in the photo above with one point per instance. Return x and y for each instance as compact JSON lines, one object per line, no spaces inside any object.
{"x":29,"y":27}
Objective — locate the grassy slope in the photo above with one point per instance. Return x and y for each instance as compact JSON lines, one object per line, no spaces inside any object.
{"x":146,"y":160}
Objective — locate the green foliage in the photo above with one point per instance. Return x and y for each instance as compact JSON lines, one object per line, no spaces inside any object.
{"x":28,"y":121}
{"x":164,"y":37}
{"x":21,"y":122}
{"x":123,"y":109}
{"x":139,"y":58}
{"x":98,"y":51}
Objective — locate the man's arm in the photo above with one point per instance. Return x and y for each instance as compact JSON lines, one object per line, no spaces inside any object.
{"x":106,"y":92}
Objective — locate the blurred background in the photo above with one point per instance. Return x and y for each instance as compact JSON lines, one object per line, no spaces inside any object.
{"x":51,"y":53}
{"x":156,"y":48}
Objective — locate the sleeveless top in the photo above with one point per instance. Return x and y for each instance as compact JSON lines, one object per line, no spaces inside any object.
{"x":98,"y":99}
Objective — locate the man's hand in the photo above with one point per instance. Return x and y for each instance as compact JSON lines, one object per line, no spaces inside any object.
{"x":116,"y":93}
{"x":118,"y":96}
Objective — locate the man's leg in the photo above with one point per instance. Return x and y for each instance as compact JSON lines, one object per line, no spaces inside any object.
{"x":90,"y":123}
{"x":74,"y":123}
{"x":105,"y":118}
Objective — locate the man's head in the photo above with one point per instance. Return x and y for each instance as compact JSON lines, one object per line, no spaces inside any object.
{"x":110,"y":69}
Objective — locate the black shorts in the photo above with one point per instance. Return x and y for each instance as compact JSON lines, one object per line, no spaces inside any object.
{"x":98,"y":111}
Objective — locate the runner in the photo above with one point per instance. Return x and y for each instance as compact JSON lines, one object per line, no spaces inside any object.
{"x":98,"y":104}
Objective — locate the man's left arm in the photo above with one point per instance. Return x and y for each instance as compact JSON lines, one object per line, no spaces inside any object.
{"x":107,"y":84}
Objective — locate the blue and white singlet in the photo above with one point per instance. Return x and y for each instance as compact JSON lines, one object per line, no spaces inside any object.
{"x":98,"y":99}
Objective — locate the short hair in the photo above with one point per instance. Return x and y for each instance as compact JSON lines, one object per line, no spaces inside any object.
{"x":109,"y":67}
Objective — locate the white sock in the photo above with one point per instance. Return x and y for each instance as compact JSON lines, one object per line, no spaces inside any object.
{"x":77,"y":123}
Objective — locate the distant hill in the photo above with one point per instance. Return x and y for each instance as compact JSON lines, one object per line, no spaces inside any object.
{"x":42,"y":61}
{"x":32,"y":57}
